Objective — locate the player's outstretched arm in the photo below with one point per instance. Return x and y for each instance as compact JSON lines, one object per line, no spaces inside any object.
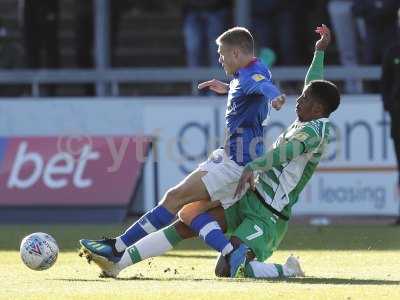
{"x":316,"y":69}
{"x":215,"y":85}
{"x":273,"y":158}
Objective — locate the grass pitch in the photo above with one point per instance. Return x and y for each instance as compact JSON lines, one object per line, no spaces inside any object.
{"x":341,"y":262}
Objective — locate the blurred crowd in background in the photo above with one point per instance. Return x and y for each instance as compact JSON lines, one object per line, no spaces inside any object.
{"x":154,"y":33}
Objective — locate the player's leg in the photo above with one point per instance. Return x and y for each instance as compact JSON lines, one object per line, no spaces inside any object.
{"x":154,"y":244}
{"x":256,"y":269}
{"x":192,"y":210}
{"x":247,"y":230}
{"x":164,"y":240}
{"x":190,"y":189}
{"x":196,"y":215}
{"x":221,"y":181}
{"x":259,"y":231}
{"x":291,"y":268}
{"x":215,"y":179}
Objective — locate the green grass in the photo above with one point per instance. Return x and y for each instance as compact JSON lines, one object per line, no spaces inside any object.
{"x":341,"y":262}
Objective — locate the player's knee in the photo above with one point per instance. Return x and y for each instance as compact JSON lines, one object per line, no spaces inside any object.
{"x":172,"y":199}
{"x":190,"y":211}
{"x":185,"y":216}
{"x":170,"y":194}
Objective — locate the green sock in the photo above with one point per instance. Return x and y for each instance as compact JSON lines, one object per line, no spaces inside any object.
{"x":172,"y":235}
{"x":154,"y":244}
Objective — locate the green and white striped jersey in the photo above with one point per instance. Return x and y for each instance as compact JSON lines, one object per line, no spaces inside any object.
{"x":282,"y":184}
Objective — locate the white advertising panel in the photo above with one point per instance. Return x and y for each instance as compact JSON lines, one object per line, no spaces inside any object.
{"x":357,"y":176}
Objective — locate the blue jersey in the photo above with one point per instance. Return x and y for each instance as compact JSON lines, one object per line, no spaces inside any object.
{"x":250,"y":94}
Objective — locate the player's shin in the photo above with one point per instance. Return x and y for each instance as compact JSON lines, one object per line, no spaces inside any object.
{"x":155,"y":244}
{"x":210,"y":231}
{"x":152,"y":221}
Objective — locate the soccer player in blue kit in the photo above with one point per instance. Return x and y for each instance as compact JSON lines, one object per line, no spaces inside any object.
{"x":251,"y":94}
{"x":258,"y":222}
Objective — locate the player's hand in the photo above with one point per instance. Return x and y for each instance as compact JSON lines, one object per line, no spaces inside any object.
{"x":247,"y":177}
{"x":278,"y":102}
{"x":325,"y":38}
{"x":214,"y":85}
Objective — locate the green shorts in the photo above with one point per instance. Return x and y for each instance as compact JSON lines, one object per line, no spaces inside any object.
{"x":255,"y":225}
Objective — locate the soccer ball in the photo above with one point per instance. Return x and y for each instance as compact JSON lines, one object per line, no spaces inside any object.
{"x":39,"y":251}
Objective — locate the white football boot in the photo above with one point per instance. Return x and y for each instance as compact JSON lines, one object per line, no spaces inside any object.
{"x":108,"y":268}
{"x":293,"y":267}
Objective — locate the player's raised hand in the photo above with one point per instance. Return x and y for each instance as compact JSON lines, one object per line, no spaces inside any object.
{"x":214,"y":85}
{"x":325,"y":37}
{"x":247,"y":177}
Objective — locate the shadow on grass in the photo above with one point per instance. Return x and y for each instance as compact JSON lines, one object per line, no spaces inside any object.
{"x":337,"y":281}
{"x":77,"y":280}
{"x":304,"y":280}
{"x":191,"y":255}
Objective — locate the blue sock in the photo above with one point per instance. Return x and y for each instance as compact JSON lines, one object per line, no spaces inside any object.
{"x":153,"y":220}
{"x":210,"y":231}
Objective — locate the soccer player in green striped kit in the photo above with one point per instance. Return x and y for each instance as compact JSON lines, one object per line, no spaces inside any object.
{"x":258,"y":222}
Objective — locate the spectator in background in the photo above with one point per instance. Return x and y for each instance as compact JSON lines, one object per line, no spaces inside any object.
{"x":84,"y":30}
{"x":84,"y":33}
{"x":10,"y":52}
{"x":39,"y":21}
{"x":390,"y":84}
{"x":10,"y":58}
{"x":203,"y":22}
{"x":345,"y":27}
{"x":274,"y":24}
{"x":380,"y":26}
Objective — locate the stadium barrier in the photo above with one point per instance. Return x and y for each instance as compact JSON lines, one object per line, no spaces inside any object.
{"x":114,"y":77}
{"x":357,"y":177}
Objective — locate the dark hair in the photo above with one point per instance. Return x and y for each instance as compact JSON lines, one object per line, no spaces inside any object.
{"x":239,"y":37}
{"x":326,"y":93}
